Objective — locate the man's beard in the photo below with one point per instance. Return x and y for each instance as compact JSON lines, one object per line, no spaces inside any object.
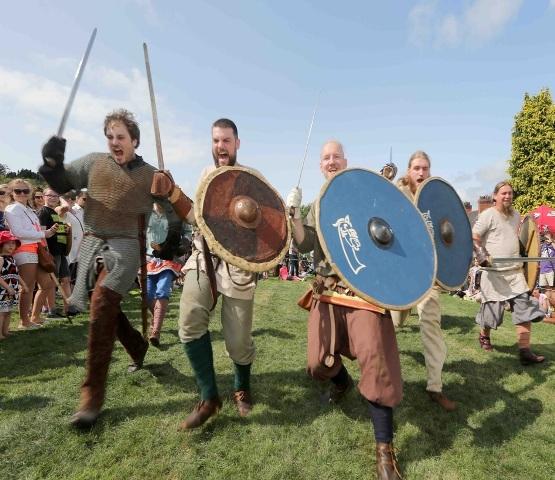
{"x":508,"y":211}
{"x":232,"y":159}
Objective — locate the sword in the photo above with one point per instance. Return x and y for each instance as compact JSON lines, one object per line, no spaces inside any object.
{"x":308,"y":138}
{"x":76,"y":81}
{"x":154,"y":112}
{"x":292,"y":210}
{"x":521,"y":259}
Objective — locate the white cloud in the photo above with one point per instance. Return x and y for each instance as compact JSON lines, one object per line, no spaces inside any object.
{"x":420,"y":18}
{"x":471,"y":185}
{"x":552,"y":3}
{"x":485,"y":19}
{"x":478,"y":22}
{"x":148,"y":10}
{"x":450,"y":30}
{"x":38,"y":103}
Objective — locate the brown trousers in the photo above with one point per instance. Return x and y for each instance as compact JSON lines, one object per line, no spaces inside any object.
{"x":107,"y":321}
{"x":366,"y":336}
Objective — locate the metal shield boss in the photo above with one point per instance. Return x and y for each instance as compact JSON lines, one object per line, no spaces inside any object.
{"x":375,"y":239}
{"x":447,"y":219}
{"x":529,"y":238}
{"x":242,"y":218}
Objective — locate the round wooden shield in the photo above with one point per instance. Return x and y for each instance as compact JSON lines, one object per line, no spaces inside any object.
{"x":529,"y":237}
{"x":446,"y":216}
{"x":375,"y":239}
{"x":242,"y":218}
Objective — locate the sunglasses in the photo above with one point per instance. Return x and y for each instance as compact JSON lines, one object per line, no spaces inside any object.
{"x":37,"y":196}
{"x":21,"y":191}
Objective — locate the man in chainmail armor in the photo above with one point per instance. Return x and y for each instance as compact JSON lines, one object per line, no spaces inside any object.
{"x":121,"y":188}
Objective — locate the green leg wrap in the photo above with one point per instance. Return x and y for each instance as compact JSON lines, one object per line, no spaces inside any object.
{"x":200,"y":355}
{"x":242,"y":377}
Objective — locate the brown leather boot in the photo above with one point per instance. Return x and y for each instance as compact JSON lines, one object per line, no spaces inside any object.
{"x":243,"y":401}
{"x":158,"y":314}
{"x":387,"y":467}
{"x":527,"y":357}
{"x":105,"y":307}
{"x":485,"y":343}
{"x":441,"y":399}
{"x":202,"y":412}
{"x":133,"y":342}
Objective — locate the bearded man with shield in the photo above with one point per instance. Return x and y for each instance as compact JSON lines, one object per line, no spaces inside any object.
{"x":342,"y":323}
{"x":208,"y":277}
{"x":429,"y":310}
{"x":121,"y":188}
{"x":495,"y":233}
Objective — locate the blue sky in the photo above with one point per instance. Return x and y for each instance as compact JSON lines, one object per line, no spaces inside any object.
{"x":445,"y":77}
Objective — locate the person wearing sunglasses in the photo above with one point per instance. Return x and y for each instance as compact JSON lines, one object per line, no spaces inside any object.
{"x":37,"y":200}
{"x":5,"y":199}
{"x":25,"y":225}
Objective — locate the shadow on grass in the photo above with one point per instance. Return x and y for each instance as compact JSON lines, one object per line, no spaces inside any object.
{"x":493,"y":414}
{"x":168,"y":375}
{"x":24,"y":403}
{"x":460,"y":323}
{"x":281,"y":398}
{"x":28,"y":353}
{"x":272,"y":332}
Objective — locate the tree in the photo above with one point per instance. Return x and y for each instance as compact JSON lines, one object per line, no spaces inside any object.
{"x":25,"y":173}
{"x":532,"y":163}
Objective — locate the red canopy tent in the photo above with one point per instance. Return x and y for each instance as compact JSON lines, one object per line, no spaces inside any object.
{"x":544,"y":216}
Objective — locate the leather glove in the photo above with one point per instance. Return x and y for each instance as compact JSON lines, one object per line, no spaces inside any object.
{"x":162,"y":184}
{"x":483,"y":257}
{"x":53,"y":151}
{"x":389,"y":171}
{"x":293,"y":202}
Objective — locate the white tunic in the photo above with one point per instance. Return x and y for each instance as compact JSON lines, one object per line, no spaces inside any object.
{"x":499,"y":236}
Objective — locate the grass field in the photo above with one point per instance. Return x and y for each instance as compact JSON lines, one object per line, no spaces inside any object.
{"x":503,"y":429}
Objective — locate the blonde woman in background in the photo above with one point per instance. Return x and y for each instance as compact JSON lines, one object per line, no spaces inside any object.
{"x":25,"y":225}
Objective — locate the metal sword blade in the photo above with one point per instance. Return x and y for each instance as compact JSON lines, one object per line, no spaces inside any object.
{"x":76,"y":81}
{"x":521,"y":259}
{"x":154,"y":111}
{"x":308,"y":138}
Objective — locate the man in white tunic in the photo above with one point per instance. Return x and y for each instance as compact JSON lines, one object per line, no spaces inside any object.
{"x":495,"y":235}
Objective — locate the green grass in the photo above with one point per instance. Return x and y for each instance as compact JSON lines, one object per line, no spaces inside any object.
{"x":504,"y":427}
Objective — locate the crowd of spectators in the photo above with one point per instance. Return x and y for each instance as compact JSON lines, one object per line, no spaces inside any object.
{"x":38,"y":220}
{"x":35,"y":217}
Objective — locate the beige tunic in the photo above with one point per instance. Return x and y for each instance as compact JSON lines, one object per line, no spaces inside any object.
{"x":498,"y":233}
{"x":230,"y":280}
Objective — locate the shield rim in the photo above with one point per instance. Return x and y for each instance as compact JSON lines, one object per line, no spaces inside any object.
{"x":528,"y":266}
{"x":416,"y":197}
{"x":215,"y":246}
{"x":334,"y":267}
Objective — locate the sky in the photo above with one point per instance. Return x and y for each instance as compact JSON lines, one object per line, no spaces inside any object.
{"x":446,"y":77}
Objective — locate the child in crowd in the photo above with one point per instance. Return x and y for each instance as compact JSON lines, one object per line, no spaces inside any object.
{"x":545,"y":305}
{"x":10,"y":281}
